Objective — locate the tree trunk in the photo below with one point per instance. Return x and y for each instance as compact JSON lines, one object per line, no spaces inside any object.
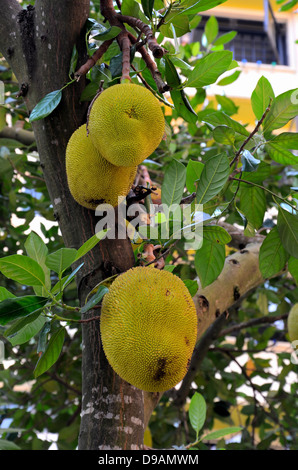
{"x":38,"y":43}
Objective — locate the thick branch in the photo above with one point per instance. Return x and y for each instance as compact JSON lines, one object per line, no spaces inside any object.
{"x":21,"y":135}
{"x":93,"y":59}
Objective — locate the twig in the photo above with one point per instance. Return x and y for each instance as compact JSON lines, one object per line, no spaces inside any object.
{"x":260,"y":122}
{"x":33,"y":177}
{"x":153,"y":45}
{"x":93,"y":59}
{"x":254,"y":322}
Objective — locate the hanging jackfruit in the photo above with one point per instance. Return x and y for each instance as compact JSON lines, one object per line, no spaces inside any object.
{"x":126,"y":124}
{"x":148,"y":328}
{"x":92,"y":180}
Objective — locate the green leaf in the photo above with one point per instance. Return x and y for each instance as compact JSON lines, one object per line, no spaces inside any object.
{"x":5,"y":294}
{"x":221,"y":433}
{"x":28,"y":331}
{"x":225,"y":38}
{"x":253,"y":205}
{"x":73,"y":61}
{"x":95,"y":299}
{"x":183,"y":106}
{"x":280,"y":154}
{"x":208,"y":69}
{"x":193,"y":174}
{"x":107,"y":34}
{"x":287,"y":225}
{"x":227,"y":105}
{"x":11,"y":309}
{"x":8,"y":445}
{"x":172,"y":77}
{"x":22,"y":269}
{"x":209,"y":261}
{"x":192,"y":286}
{"x":148,"y":7}
{"x":218,"y":118}
{"x":195,"y":6}
{"x":132,"y":8}
{"x":224,"y":135}
{"x":37,"y":250}
{"x":229,"y":79}
{"x":90,"y":244}
{"x":173,"y":183}
{"x":61,"y":259}
{"x":283,"y":109}
{"x":273,"y":256}
{"x":20,"y":323}
{"x":293,"y":268}
{"x":288,"y":140}
{"x":46,"y":105}
{"x":213,"y":177}
{"x":211,"y":29}
{"x":197,"y":412}
{"x":261,"y":97}
{"x":51,"y":354}
{"x":215,"y":233}
{"x":249,"y":162}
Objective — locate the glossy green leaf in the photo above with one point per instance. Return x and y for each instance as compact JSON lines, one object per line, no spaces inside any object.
{"x":196,"y":6}
{"x":219,"y":118}
{"x":221,"y":433}
{"x":225,"y":38}
{"x":5,"y":294}
{"x":61,"y":259}
{"x":209,"y":261}
{"x":226,"y":105}
{"x":95,"y":299}
{"x":183,"y":106}
{"x":46,"y":105}
{"x":197,"y":412}
{"x":193,"y":174}
{"x":213,"y":177}
{"x":215,"y":233}
{"x":261,"y":97}
{"x":273,"y":256}
{"x":148,"y":7}
{"x":211,"y":29}
{"x":22,"y":269}
{"x":288,"y":140}
{"x":180,"y":24}
{"x":224,"y":135}
{"x":51,"y":354}
{"x":12,"y":309}
{"x":287,"y":225}
{"x":280,"y":154}
{"x":28,"y":331}
{"x":253,"y":205}
{"x":173,"y":184}
{"x":229,"y":78}
{"x":20,"y":323}
{"x":208,"y":69}
{"x":283,"y":109}
{"x":107,"y":34}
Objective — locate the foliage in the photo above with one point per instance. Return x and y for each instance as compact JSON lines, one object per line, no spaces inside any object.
{"x":247,"y":177}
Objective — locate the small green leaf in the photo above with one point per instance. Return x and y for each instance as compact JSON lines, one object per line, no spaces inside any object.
{"x":261,"y":96}
{"x":22,"y":269}
{"x":211,"y":29}
{"x":192,"y":286}
{"x":197,"y":412}
{"x":208,"y":69}
{"x":215,"y":233}
{"x":213,"y":177}
{"x":51,"y":354}
{"x":61,"y":259}
{"x":95,"y":299}
{"x":287,"y":225}
{"x":11,"y":309}
{"x":209,"y":261}
{"x":283,"y":109}
{"x":221,"y":433}
{"x":173,"y":184}
{"x":273,"y":256}
{"x":28,"y":331}
{"x":229,"y":78}
{"x":5,"y":294}
{"x":193,"y":174}
{"x":46,"y":105}
{"x":73,"y":61}
{"x":225,"y":38}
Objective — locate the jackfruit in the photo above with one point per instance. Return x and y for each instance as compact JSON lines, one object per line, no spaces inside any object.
{"x":148,"y":328}
{"x":92,"y":180}
{"x":293,"y":323}
{"x":126,"y":124}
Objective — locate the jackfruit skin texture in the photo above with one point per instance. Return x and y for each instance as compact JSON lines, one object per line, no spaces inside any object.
{"x":92,"y":180}
{"x":293,"y":323}
{"x":126,"y":123}
{"x":148,"y":328}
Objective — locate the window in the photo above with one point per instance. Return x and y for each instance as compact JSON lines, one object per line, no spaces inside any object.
{"x":253,"y":42}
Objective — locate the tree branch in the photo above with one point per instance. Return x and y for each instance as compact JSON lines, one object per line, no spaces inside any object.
{"x":21,"y":135}
{"x":93,"y":59}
